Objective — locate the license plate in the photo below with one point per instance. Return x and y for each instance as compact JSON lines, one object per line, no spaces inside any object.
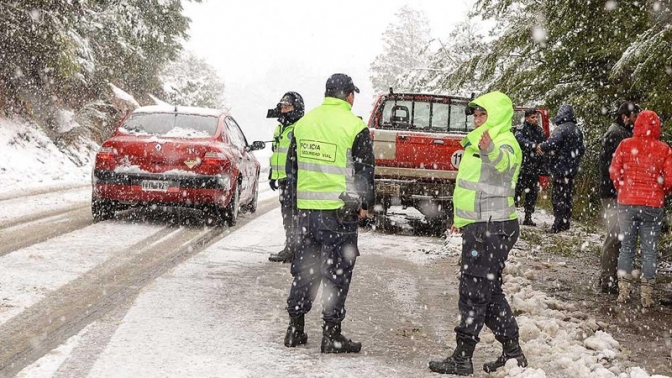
{"x":155,"y":186}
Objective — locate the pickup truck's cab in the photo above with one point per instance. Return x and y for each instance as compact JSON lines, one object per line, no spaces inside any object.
{"x":416,"y":141}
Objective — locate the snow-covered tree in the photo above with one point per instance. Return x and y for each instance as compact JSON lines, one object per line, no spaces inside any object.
{"x":191,"y":81}
{"x":446,"y":66}
{"x":406,"y":44}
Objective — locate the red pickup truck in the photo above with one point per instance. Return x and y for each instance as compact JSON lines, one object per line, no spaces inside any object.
{"x":416,"y":140}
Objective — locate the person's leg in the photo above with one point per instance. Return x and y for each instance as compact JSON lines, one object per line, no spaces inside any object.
{"x":569,"y":201}
{"x":339,"y":251}
{"x":306,"y":272}
{"x":628,"y":220}
{"x":499,"y":317}
{"x":611,"y":247}
{"x":649,"y":234}
{"x":288,"y":219}
{"x":557,"y":198}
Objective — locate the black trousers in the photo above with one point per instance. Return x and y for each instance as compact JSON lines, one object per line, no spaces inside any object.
{"x":325,"y":256}
{"x":485,"y":248}
{"x":561,"y":197}
{"x":528,"y":186}
{"x":288,"y":210}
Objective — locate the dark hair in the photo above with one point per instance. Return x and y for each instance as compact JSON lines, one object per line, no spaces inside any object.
{"x":530,"y":112}
{"x":627,"y":108}
{"x":337,"y":93}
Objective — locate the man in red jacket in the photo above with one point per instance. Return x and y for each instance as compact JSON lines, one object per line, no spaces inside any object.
{"x":642,"y":174}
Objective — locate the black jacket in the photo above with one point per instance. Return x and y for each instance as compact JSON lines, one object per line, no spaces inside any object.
{"x":528,"y":137}
{"x":365,"y":162}
{"x":612,"y":138}
{"x":565,"y":146}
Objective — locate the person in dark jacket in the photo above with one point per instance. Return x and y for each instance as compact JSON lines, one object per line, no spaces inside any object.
{"x":330,"y":170}
{"x":529,"y":135}
{"x":291,"y":110}
{"x":618,"y":131}
{"x":564,"y":149}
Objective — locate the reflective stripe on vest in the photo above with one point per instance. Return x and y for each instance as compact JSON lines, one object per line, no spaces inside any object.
{"x":486,"y":188}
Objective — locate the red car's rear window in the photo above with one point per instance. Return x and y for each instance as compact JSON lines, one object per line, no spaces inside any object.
{"x":170,"y":125}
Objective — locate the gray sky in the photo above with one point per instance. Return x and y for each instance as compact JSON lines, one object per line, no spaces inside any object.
{"x":263,"y":49}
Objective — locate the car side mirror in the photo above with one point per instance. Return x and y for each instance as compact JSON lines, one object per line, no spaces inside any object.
{"x":257,"y":145}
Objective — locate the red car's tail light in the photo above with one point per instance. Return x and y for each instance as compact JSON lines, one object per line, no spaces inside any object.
{"x":214,"y":158}
{"x":106,"y":154}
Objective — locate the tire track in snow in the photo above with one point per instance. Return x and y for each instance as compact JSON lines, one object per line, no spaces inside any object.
{"x":43,"y":228}
{"x":37,"y":192}
{"x":63,"y":313}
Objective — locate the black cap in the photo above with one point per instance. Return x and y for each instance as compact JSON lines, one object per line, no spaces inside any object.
{"x":340,"y":83}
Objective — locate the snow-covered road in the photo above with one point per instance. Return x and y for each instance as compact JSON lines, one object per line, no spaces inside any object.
{"x":221,"y":313}
{"x":155,"y":299}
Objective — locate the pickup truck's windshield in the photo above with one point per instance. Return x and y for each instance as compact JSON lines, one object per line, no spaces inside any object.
{"x":426,"y":116}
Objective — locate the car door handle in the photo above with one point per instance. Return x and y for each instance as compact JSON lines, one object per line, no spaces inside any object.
{"x":439,"y":141}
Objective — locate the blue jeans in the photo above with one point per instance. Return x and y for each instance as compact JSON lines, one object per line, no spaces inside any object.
{"x":643,"y":222}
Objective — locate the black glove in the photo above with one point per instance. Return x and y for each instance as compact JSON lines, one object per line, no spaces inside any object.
{"x":273,"y":184}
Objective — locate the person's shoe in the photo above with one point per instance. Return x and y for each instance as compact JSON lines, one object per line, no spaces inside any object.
{"x":286,"y":255}
{"x":647,"y":292}
{"x":295,"y":332}
{"x":459,"y":363}
{"x":624,"y":288}
{"x":334,"y":342}
{"x":667,"y":302}
{"x":528,"y":221}
{"x":608,"y":286}
{"x":510,"y":349}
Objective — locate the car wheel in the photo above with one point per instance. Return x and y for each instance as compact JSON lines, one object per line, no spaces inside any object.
{"x":252,"y":206}
{"x":230,"y":212}
{"x":102,"y":210}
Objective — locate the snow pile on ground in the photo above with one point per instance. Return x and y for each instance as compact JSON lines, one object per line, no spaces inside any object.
{"x":557,"y":338}
{"x":29,"y":158}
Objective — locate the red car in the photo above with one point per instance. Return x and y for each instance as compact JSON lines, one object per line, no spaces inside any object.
{"x":190,"y":157}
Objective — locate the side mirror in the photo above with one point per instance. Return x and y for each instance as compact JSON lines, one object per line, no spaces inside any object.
{"x":257,"y":145}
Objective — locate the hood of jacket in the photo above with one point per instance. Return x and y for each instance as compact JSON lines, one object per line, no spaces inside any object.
{"x":500,"y":113}
{"x":647,"y":125}
{"x":565,"y":114}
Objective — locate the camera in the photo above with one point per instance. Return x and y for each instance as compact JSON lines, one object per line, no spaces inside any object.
{"x":273,"y":113}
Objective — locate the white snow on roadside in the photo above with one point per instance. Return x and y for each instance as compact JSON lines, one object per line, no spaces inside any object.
{"x":29,"y":159}
{"x":29,"y":274}
{"x":62,"y":200}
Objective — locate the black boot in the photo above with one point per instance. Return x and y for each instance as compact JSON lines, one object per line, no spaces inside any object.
{"x":510,"y":349}
{"x":334,"y":342}
{"x":457,"y":364}
{"x":295,"y":334}
{"x":286,"y":255}
{"x":528,"y":220}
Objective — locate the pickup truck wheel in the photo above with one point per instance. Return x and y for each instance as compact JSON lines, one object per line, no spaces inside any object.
{"x":230,"y":212}
{"x":102,"y":210}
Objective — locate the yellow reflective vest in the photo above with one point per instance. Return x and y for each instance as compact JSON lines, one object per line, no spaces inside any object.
{"x":281,"y":141}
{"x":324,"y":140}
{"x":486,"y":179}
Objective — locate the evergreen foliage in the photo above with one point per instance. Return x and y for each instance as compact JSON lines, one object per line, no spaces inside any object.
{"x":593,"y":54}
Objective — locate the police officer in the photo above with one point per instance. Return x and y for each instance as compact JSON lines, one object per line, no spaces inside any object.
{"x":486,"y":216}
{"x":330,"y":169}
{"x":529,"y":135}
{"x":290,"y":110}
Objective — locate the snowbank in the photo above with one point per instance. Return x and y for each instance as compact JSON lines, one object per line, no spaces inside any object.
{"x":29,"y":159}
